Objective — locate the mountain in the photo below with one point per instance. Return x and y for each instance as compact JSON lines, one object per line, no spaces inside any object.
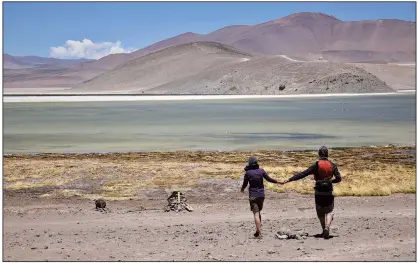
{"x":177,"y":40}
{"x":303,"y":36}
{"x":164,"y":66}
{"x":392,"y":39}
{"x":213,"y":68}
{"x":17,"y":62}
{"x":61,"y":74}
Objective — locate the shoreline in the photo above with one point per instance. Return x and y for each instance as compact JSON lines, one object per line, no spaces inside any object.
{"x":18,"y":98}
{"x":133,"y":153}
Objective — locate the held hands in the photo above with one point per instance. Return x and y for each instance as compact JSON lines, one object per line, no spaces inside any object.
{"x":282,"y":182}
{"x":287,"y":181}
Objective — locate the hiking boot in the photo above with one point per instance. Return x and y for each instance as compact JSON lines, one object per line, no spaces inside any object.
{"x":326,"y":233}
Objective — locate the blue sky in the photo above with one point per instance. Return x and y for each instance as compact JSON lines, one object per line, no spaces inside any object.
{"x":32,"y":28}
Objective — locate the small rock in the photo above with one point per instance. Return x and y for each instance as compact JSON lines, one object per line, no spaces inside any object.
{"x":100,"y":203}
{"x":281,"y":236}
{"x":45,"y":247}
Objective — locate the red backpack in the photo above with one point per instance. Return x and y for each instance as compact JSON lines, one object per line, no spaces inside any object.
{"x":325,"y":171}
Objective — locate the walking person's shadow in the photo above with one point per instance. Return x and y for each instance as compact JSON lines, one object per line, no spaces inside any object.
{"x":322,"y":236}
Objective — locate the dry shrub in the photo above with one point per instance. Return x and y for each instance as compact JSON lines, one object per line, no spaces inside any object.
{"x":383,"y":171}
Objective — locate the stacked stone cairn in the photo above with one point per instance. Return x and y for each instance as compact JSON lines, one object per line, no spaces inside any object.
{"x":177,"y":203}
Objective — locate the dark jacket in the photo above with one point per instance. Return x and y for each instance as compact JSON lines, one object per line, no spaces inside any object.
{"x":254,"y":176}
{"x":313,"y":170}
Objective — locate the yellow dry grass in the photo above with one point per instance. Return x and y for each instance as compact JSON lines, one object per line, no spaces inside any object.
{"x":365,"y":171}
{"x":385,"y":180}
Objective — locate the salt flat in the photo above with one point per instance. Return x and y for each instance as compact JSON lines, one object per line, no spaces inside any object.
{"x":82,"y":98}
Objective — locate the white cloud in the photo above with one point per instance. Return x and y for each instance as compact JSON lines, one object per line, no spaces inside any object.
{"x":87,"y":49}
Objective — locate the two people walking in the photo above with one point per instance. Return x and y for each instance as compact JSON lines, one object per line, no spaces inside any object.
{"x":325,"y":175}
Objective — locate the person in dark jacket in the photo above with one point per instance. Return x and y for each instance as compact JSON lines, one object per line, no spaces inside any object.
{"x":323,"y":171}
{"x":254,"y":175}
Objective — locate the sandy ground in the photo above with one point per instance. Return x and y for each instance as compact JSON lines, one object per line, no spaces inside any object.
{"x":181,"y":97}
{"x":220,"y":228}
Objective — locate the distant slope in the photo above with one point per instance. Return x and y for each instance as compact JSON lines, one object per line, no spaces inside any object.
{"x":16,"y":62}
{"x":61,"y":75}
{"x":305,"y":36}
{"x":393,"y":40}
{"x":290,"y":35}
{"x":212,"y":68}
{"x":164,"y":66}
{"x":187,"y":37}
{"x":274,"y":76}
{"x":366,"y":56}
{"x":398,"y":77}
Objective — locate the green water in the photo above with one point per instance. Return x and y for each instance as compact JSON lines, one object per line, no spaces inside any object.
{"x":208,"y":125}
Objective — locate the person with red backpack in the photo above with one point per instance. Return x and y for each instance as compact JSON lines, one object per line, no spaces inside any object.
{"x":323,"y":171}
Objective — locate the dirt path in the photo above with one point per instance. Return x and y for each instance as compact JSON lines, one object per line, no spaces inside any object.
{"x":373,"y":228}
{"x":295,"y":60}
{"x":291,"y":59}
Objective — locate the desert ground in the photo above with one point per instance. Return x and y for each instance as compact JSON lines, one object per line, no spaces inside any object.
{"x":49,"y":209}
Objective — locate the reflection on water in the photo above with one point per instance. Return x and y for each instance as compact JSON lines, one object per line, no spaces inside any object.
{"x":208,"y":125}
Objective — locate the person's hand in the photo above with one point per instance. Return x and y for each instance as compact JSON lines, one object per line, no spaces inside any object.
{"x":282,"y":182}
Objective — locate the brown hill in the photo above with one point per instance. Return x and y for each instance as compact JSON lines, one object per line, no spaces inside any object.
{"x":164,"y":66}
{"x":275,"y":76}
{"x":393,"y":39}
{"x":212,"y":68}
{"x":290,"y":35}
{"x":18,"y":62}
{"x":304,"y":35}
{"x":48,"y":76}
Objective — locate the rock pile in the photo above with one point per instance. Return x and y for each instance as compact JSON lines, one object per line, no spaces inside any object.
{"x":177,"y":202}
{"x":101,"y":206}
{"x":287,"y":234}
{"x":100,"y":203}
